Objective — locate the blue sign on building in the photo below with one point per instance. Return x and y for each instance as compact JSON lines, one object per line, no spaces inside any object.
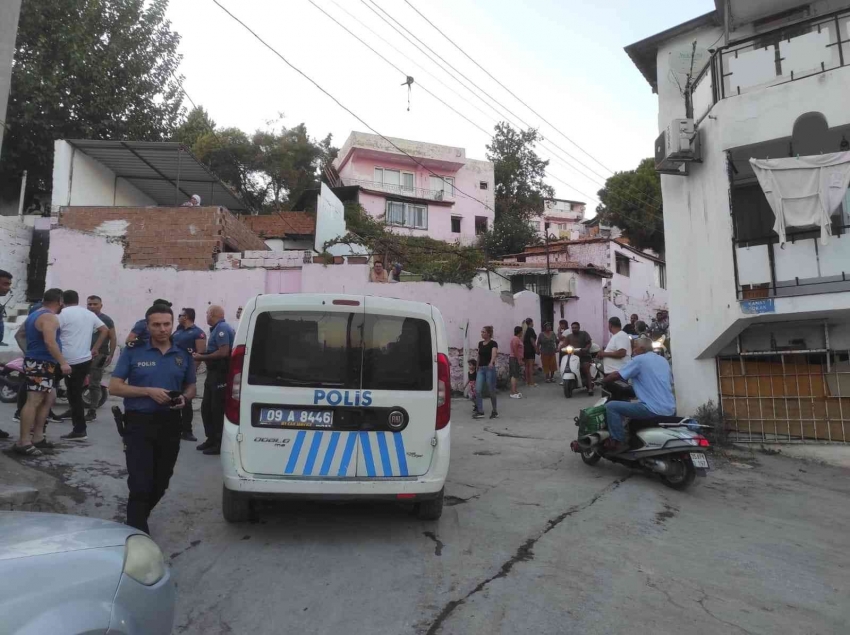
{"x":754,"y":307}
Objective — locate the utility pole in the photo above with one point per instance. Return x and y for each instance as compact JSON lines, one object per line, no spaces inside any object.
{"x":10,"y":10}
{"x":548,"y":274}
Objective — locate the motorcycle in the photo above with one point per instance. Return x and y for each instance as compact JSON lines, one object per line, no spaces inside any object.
{"x":659,"y":347}
{"x":670,"y":447}
{"x":571,"y":376}
{"x":12,"y":376}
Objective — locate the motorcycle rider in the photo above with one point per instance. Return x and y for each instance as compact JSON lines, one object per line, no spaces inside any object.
{"x":652,"y":383}
{"x":581,"y":343}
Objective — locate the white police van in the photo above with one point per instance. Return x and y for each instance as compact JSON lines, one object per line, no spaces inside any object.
{"x":337,"y":397}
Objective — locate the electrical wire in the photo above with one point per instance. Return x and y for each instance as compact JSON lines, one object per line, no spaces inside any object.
{"x":591,"y":198}
{"x":419,"y":84}
{"x":600,"y":179}
{"x":514,"y":95}
{"x":344,"y":107}
{"x":412,"y":61}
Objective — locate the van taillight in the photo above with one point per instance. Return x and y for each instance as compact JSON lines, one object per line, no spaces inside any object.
{"x":444,"y":391}
{"x":234,"y":385}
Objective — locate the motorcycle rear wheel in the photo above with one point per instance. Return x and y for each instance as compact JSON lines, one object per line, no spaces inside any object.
{"x":684,"y":479}
{"x":590,"y":457}
{"x":8,"y":394}
{"x":569,"y":387}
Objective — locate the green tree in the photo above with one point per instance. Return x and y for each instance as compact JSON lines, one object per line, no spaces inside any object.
{"x":196,"y":124}
{"x":96,"y":69}
{"x":232,"y":156}
{"x":631,"y":201}
{"x":519,"y":190}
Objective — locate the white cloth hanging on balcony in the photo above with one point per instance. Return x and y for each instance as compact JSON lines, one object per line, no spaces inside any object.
{"x":804,"y":191}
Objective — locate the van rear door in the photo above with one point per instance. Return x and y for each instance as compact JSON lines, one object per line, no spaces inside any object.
{"x":400,"y":378}
{"x":304,"y":365}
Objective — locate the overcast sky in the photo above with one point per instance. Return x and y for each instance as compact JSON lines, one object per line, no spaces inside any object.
{"x":564,"y":58}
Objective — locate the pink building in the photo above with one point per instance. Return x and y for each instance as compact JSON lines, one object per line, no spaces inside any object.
{"x":442,"y":194}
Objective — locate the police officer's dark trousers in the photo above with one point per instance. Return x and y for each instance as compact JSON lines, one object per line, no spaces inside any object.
{"x":186,"y":416}
{"x":212,"y":406}
{"x":152,"y":442}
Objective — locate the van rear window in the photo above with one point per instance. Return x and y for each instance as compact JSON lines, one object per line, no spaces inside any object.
{"x":341,"y":350}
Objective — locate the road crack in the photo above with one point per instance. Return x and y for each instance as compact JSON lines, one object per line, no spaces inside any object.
{"x":524,"y":553}
{"x":438,"y":549}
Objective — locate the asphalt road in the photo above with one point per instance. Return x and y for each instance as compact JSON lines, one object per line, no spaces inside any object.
{"x":532,"y":541}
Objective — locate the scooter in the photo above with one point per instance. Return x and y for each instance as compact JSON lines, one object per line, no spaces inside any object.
{"x":670,"y":447}
{"x":571,"y":376}
{"x":659,"y":347}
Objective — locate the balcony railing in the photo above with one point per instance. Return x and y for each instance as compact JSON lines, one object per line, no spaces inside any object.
{"x":802,"y":266}
{"x":775,"y":57}
{"x":401,"y":190}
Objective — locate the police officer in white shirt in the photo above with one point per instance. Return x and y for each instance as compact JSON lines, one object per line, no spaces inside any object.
{"x":618,"y":352}
{"x":76,"y":325}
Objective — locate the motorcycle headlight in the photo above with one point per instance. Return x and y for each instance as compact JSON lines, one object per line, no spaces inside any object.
{"x":657,"y":345}
{"x":143,"y":560}
{"x":568,"y":350}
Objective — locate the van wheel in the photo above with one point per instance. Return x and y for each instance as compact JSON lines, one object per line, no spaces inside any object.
{"x":569,"y":386}
{"x":235,"y":507}
{"x":430,"y":509}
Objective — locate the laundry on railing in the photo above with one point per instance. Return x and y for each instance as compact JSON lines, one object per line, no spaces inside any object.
{"x":804,"y":191}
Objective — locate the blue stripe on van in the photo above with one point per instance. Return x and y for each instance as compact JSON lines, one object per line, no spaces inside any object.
{"x":329,"y":454}
{"x":367,"y":453}
{"x":346,"y":454}
{"x":296,"y":451}
{"x":399,"y":451}
{"x":386,"y":466}
{"x":314,"y":450}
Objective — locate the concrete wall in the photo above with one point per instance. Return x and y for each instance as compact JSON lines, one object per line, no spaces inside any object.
{"x":15,"y":240}
{"x":704,"y":313}
{"x":80,"y":180}
{"x":456,"y":302}
{"x":92,"y":264}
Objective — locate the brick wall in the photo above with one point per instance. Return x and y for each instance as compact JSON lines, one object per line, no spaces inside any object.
{"x":15,"y":241}
{"x":182,"y":237}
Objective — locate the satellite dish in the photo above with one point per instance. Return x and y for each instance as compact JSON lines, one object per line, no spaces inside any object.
{"x":680,"y":61}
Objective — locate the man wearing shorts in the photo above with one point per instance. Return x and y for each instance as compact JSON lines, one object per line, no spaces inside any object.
{"x":515,"y":362}
{"x":42,"y":363}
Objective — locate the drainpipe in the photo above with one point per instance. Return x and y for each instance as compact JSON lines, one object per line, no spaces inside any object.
{"x":23,"y":192}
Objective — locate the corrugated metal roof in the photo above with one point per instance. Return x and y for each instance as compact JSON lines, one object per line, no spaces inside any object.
{"x":164,"y":170}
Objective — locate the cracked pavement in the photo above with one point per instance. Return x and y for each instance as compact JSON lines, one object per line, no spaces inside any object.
{"x":531,"y":541}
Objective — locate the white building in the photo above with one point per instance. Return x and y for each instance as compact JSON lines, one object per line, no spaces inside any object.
{"x":564,"y":218}
{"x":763,"y":327}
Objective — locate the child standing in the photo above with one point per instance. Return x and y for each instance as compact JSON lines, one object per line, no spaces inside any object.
{"x":469,"y":389}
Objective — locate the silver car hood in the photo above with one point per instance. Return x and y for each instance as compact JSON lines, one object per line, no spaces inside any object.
{"x":25,"y":534}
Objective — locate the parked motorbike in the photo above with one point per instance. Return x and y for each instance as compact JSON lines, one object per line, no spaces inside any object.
{"x":670,"y":447}
{"x":571,"y":370}
{"x":659,"y":347}
{"x":12,"y":375}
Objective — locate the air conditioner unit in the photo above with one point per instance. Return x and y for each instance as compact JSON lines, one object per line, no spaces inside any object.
{"x":676,"y":147}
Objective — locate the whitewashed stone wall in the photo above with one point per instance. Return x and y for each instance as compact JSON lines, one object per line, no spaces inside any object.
{"x":15,"y":241}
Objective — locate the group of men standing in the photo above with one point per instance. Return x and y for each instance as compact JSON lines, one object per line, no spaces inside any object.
{"x":61,"y":339}
{"x":214,"y":352}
